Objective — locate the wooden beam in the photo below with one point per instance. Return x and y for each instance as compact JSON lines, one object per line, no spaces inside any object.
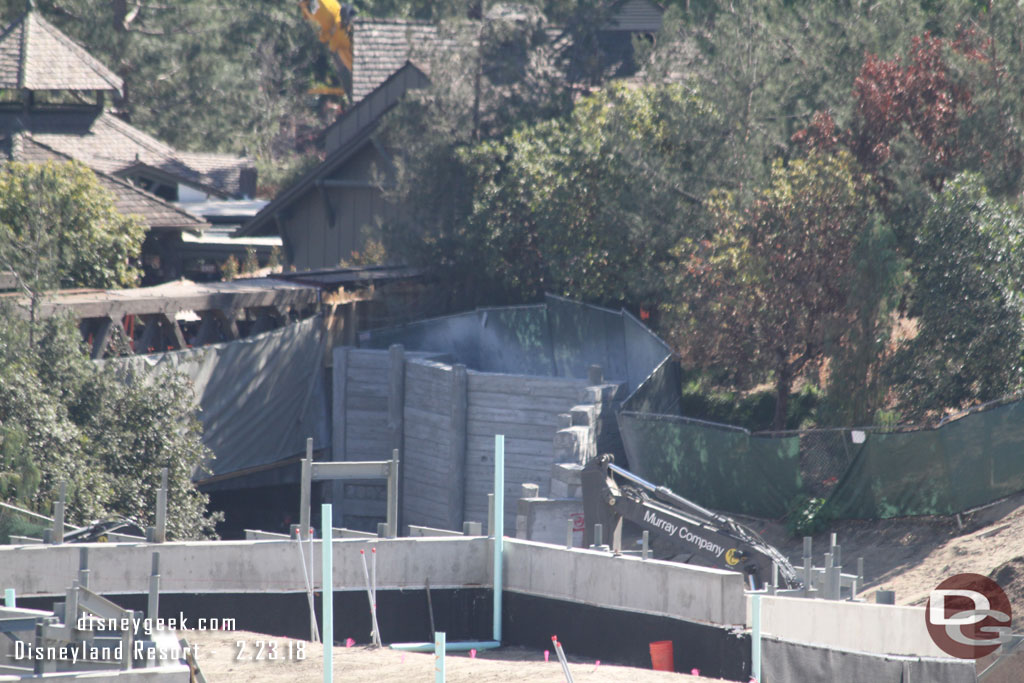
{"x":172,"y":298}
{"x":228,"y":323}
{"x":209,"y":329}
{"x":101,"y":336}
{"x":173,"y":329}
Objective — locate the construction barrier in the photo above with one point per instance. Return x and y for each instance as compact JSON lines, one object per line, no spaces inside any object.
{"x":860,"y":473}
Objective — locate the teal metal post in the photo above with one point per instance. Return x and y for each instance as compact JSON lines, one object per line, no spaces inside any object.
{"x":499,"y":527}
{"x":9,"y":598}
{"x":439,"y":648}
{"x":755,"y":637}
{"x":327,"y":555}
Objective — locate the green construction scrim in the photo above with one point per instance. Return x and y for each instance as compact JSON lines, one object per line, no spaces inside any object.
{"x":659,"y":393}
{"x":726,"y":469}
{"x":971,"y":461}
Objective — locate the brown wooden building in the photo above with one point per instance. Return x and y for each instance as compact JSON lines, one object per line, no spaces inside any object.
{"x":333,"y":210}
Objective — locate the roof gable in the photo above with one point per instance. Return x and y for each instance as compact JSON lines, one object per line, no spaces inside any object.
{"x":34,"y":55}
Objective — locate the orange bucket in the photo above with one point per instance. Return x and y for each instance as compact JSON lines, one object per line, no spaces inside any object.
{"x":661,"y":656}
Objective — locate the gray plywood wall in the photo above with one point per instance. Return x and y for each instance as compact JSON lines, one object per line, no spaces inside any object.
{"x":444,"y":419}
{"x":525,"y":410}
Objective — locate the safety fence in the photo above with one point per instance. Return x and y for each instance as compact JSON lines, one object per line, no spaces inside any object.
{"x":558,"y":338}
{"x":861,"y":473}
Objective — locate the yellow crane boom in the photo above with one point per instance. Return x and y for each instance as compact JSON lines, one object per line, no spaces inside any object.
{"x":335,"y":22}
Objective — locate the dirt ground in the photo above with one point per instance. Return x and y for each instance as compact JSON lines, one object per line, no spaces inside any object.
{"x":217,"y":653}
{"x":913,"y":555}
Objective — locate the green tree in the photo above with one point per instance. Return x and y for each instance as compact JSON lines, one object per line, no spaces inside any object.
{"x":968,"y":310}
{"x":106,"y":435}
{"x":769,"y":294}
{"x":591,"y":206}
{"x":59,"y":227}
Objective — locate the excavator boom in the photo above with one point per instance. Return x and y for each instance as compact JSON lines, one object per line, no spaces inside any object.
{"x":680,"y":529}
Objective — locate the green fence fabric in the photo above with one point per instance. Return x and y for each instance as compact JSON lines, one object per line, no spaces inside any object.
{"x":862,"y":474}
{"x":725,"y":468}
{"x":962,"y":464}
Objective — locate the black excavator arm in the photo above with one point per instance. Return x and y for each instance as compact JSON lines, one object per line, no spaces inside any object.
{"x":680,"y":530}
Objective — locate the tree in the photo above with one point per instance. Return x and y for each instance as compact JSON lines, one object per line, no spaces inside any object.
{"x":770,"y":290}
{"x":968,"y":308}
{"x":59,"y":227}
{"x":64,"y":418}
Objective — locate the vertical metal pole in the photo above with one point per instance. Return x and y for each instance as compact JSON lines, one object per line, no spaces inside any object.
{"x":439,"y":648}
{"x":598,"y":536}
{"x":153,"y":606}
{"x":327,"y":555}
{"x":499,"y":527}
{"x":647,"y":542}
{"x":83,"y":567}
{"x":568,"y":533}
{"x":755,"y":636}
{"x":808,"y":566}
{"x":490,"y":515}
{"x":58,"y":516}
{"x":9,"y":600}
{"x":393,"y":495}
{"x":161,"y":509}
{"x":304,"y":491}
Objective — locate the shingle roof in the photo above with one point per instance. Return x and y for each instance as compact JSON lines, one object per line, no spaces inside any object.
{"x":108,"y":144}
{"x":382,"y":46}
{"x":129,"y":199}
{"x":34,"y":55}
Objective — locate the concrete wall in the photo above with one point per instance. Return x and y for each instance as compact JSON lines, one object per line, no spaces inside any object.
{"x":582,"y":576}
{"x":857,"y":626}
{"x":244,"y":566}
{"x":628,"y":583}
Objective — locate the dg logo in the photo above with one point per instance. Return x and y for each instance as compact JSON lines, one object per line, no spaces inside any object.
{"x":968,"y":616}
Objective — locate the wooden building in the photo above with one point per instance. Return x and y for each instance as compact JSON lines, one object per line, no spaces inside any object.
{"x":53,"y":97}
{"x":334,"y":209}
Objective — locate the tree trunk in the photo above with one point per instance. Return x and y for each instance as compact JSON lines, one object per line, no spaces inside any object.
{"x":783,"y":384}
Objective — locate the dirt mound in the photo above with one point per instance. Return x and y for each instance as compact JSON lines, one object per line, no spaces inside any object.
{"x":913,"y":555}
{"x":1010,"y":576}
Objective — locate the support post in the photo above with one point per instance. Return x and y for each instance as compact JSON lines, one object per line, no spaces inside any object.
{"x":339,"y":417}
{"x":755,"y":636}
{"x":9,"y":598}
{"x":327,"y":555}
{"x":499,"y":527}
{"x":101,"y":336}
{"x":393,"y":485}
{"x":153,"y":604}
{"x":83,"y":567}
{"x":57,"y":537}
{"x":160,"y":533}
{"x":490,"y":515}
{"x":646,"y":546}
{"x":457,"y":447}
{"x":396,"y":403}
{"x":568,"y":533}
{"x":304,"y":492}
{"x":439,"y":648}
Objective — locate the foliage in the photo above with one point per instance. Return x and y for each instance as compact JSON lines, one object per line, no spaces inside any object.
{"x":969,"y":308}
{"x":753,"y":410}
{"x":229,"y":269}
{"x":59,"y":227}
{"x":770,"y":291}
{"x":807,"y":516}
{"x":588,"y":206}
{"x":65,"y":418}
